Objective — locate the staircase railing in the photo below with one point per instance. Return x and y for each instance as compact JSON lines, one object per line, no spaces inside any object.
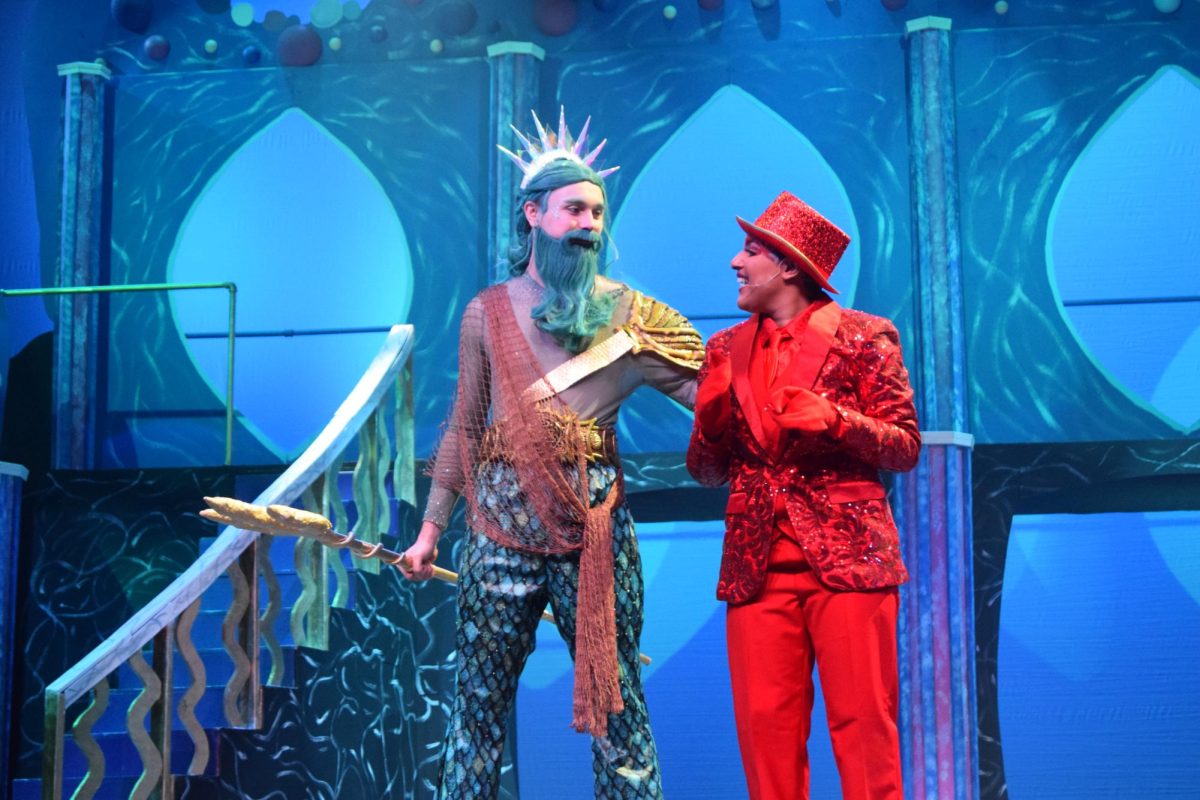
{"x":375,"y":422}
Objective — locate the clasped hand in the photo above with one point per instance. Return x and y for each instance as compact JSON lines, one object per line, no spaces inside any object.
{"x":798,"y":409}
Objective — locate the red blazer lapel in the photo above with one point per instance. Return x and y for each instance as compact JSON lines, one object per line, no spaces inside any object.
{"x":814,"y":348}
{"x":740,"y":347}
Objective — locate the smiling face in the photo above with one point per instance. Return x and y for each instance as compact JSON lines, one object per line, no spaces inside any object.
{"x":760,"y":276}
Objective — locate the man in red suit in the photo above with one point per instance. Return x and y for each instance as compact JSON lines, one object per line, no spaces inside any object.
{"x":799,"y":407}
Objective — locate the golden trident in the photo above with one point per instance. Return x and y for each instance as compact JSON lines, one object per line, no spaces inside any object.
{"x":284,"y":520}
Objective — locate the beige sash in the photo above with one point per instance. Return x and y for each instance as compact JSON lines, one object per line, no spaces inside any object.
{"x":575,"y":369}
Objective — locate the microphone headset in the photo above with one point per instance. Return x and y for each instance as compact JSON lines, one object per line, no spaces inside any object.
{"x":768,"y":280}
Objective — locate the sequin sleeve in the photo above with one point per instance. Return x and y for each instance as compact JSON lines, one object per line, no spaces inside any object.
{"x":883,"y":431}
{"x":464,"y":425}
{"x":708,"y":461}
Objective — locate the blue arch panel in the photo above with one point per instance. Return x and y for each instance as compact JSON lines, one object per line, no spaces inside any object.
{"x":1099,"y":631}
{"x":313,"y":243}
{"x":675,"y":231}
{"x":1123,"y":228}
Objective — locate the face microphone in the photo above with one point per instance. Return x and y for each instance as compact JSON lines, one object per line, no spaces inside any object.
{"x":768,"y":280}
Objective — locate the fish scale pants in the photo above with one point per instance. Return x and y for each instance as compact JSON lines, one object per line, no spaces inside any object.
{"x":502,"y":593}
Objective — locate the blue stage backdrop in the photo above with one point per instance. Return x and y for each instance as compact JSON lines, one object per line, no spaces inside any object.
{"x":709,"y":115}
{"x":1078,"y":168}
{"x":340,"y":201}
{"x":1099,"y":632}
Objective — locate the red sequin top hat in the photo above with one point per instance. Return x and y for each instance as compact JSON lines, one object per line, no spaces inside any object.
{"x":797,"y":232}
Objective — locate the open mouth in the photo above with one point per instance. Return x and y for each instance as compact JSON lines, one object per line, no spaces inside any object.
{"x":585,"y":240}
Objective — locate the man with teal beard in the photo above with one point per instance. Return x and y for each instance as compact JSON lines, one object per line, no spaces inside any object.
{"x":545,"y":361}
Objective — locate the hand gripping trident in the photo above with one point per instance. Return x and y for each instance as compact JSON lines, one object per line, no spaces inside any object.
{"x":276,"y":520}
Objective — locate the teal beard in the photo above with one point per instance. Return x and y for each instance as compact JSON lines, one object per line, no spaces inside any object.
{"x":570,"y":312}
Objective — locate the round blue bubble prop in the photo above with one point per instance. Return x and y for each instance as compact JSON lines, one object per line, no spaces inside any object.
{"x":156,"y":47}
{"x":299,"y":46}
{"x":456,"y":18}
{"x":133,"y":15}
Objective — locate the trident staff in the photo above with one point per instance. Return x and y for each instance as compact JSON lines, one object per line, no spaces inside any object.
{"x":275,"y":520}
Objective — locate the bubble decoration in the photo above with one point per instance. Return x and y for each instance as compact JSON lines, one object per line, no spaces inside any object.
{"x":763,"y":4}
{"x":251,"y":55}
{"x":555,"y":17}
{"x":133,"y":15}
{"x":1167,"y":6}
{"x":211,"y":46}
{"x":670,"y":12}
{"x":894,"y":5}
{"x":242,"y":14}
{"x":335,"y":43}
{"x":299,"y":46}
{"x":352,"y":11}
{"x":275,"y":21}
{"x":1001,"y":7}
{"x":711,"y":5}
{"x":456,"y":17}
{"x":326,"y":13}
{"x":378,"y":33}
{"x":156,"y":47}
{"x":436,"y":46}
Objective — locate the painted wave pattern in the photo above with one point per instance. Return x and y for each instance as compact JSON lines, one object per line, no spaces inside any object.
{"x":1027,"y":108}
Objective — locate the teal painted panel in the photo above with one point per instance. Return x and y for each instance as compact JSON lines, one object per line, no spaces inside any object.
{"x":313,"y":242}
{"x":1030,"y":104}
{"x":1123,"y":228}
{"x":408,"y":147}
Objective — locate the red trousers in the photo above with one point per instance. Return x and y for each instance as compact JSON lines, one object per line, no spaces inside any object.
{"x":773,"y":642}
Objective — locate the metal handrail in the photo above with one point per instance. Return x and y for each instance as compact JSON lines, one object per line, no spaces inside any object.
{"x":157,"y":615}
{"x":163,"y":287}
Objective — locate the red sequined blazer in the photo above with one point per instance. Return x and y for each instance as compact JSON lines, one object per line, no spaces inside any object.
{"x":834,"y":497}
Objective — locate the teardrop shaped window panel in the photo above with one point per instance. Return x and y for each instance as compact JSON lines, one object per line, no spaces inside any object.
{"x":322,"y":267}
{"x":1123,"y":247}
{"x":675,"y":232}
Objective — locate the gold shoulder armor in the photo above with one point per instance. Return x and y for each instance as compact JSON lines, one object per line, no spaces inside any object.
{"x":662,"y":330}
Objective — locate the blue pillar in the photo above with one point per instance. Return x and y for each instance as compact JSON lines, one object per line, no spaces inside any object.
{"x":933,"y":503}
{"x":76,"y":337}
{"x":515,"y":86}
{"x":12,"y":479}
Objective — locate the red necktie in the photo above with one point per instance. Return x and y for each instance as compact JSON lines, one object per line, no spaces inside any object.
{"x":764,"y":368}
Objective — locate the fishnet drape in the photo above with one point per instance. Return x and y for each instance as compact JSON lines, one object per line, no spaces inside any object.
{"x":550,"y":511}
